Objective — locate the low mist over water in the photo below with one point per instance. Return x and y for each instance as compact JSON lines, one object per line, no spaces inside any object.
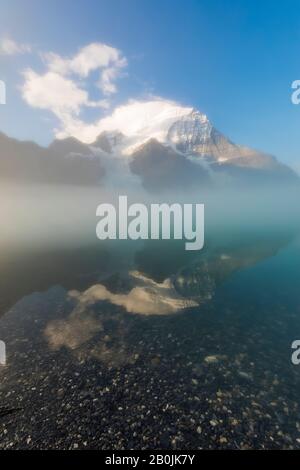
{"x":41,"y":217}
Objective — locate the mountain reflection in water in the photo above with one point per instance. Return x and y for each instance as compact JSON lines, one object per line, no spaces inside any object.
{"x":112,"y":333}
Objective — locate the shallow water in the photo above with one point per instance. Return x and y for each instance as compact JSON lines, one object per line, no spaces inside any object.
{"x":125,"y":346}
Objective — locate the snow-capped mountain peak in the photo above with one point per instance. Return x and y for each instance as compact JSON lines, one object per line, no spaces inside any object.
{"x":183,"y":135}
{"x":190,"y":132}
{"x":163,"y":120}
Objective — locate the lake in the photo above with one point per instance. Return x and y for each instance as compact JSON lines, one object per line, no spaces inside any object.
{"x":143,"y":345}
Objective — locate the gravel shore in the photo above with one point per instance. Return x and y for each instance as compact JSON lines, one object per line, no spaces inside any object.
{"x":215,"y":377}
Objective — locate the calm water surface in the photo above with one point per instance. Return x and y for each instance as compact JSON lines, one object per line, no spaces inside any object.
{"x":122,"y":347}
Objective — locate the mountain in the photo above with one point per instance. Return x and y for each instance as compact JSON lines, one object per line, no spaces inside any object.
{"x":156,"y":143}
{"x":162,"y":167}
{"x":193,"y":134}
{"x":108,"y":141}
{"x":63,"y":162}
{"x":171,"y":146}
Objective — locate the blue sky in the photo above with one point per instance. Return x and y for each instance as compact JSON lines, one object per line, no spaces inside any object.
{"x":235,"y":60}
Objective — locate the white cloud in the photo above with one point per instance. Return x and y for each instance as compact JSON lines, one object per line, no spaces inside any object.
{"x":10,"y":47}
{"x":106,"y":83}
{"x":64,"y":95}
{"x":89,"y":58}
{"x":138,"y":120}
{"x":62,"y":90}
{"x":144,"y":118}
